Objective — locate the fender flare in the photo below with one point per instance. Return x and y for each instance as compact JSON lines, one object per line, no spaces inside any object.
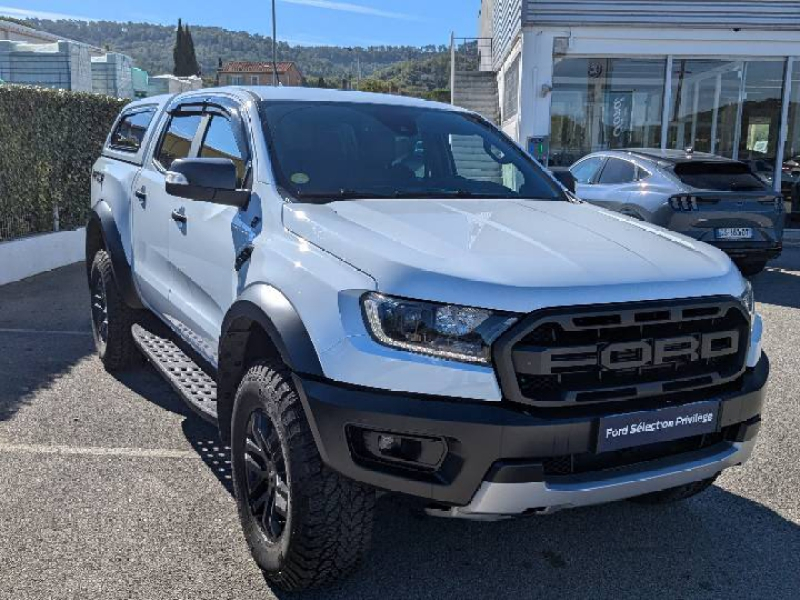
{"x":102,"y":221}
{"x":263,"y":307}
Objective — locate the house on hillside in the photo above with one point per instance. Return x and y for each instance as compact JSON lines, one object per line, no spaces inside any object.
{"x":242,"y":72}
{"x":569,"y":78}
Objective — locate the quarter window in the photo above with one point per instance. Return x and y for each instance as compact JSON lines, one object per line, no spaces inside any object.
{"x":130,"y":131}
{"x":220,"y":142}
{"x":618,"y":171}
{"x":177,"y":141}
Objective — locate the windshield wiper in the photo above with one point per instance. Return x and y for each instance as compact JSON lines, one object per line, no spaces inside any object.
{"x":442,"y":193}
{"x":343,"y":194}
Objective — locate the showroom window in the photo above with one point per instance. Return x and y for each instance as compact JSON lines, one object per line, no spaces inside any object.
{"x":605,"y":104}
{"x":791,"y":153}
{"x":729,"y":108}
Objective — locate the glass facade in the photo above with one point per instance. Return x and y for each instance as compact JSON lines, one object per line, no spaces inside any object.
{"x":790,"y":176}
{"x":603,"y":104}
{"x":729,"y":107}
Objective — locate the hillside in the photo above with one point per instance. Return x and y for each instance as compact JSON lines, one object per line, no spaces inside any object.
{"x":406,"y":68}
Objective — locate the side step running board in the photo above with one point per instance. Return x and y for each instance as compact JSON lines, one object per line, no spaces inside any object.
{"x":194,"y":385}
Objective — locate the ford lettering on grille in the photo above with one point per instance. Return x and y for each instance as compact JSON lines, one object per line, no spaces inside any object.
{"x":631,"y":355}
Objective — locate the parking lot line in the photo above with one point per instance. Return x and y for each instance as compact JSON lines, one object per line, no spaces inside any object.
{"x":97,"y":451}
{"x":44,"y":331}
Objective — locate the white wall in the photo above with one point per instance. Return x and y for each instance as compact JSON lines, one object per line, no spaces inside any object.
{"x":39,"y":253}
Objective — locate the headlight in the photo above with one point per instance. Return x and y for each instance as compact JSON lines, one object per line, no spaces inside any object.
{"x":748,"y":298}
{"x":443,"y":330}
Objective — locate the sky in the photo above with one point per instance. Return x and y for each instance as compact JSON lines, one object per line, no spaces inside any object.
{"x":310,"y":22}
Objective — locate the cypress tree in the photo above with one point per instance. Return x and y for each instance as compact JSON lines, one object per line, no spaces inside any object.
{"x":178,"y":52}
{"x":192,"y":66}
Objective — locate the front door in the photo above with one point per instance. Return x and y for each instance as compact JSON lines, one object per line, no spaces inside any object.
{"x":204,"y":246}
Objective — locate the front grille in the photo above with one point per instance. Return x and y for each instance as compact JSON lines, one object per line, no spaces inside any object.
{"x":593,"y":355}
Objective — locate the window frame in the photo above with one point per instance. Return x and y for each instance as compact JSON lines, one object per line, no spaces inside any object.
{"x":605,"y":166}
{"x":593,"y":178}
{"x":124,"y":115}
{"x":206,"y":107}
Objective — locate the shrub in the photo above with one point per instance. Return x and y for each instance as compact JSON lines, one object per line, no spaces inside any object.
{"x":49,"y":140}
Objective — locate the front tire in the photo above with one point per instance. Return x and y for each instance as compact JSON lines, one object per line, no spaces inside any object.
{"x":751,"y":268}
{"x":111,"y":317}
{"x":675,"y":494}
{"x":306,"y":525}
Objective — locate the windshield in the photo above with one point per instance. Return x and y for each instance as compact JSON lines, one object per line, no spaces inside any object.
{"x":720,"y":176}
{"x":325,"y":151}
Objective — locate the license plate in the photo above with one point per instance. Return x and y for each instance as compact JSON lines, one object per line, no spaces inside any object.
{"x":653,"y":426}
{"x":734,"y":233}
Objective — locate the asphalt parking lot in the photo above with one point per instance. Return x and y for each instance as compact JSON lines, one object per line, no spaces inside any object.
{"x":111,"y":488}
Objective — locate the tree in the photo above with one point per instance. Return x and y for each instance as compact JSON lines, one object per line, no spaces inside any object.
{"x":178,"y":54}
{"x":183,"y":53}
{"x":191,"y":57}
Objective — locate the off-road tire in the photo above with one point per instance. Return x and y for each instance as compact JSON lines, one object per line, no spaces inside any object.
{"x":116,"y":347}
{"x":675,"y":494}
{"x":328,"y":524}
{"x":752,"y":268}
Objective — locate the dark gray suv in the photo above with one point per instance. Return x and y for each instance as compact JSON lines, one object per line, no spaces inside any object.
{"x":710,"y":198}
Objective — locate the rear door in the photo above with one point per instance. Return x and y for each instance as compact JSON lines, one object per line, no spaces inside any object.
{"x":204,"y":247}
{"x":153,"y":210}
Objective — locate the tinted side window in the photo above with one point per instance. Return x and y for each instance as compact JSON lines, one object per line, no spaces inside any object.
{"x":129,"y":132}
{"x":618,"y":171}
{"x":220,"y":142}
{"x":177,"y":141}
{"x":585,"y":171}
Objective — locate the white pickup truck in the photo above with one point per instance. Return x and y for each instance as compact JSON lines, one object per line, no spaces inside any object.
{"x":372,"y":293}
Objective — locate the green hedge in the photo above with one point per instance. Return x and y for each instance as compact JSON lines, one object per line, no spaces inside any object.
{"x":49,"y":140}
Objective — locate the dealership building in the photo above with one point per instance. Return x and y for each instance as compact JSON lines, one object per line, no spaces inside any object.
{"x":573,"y":77}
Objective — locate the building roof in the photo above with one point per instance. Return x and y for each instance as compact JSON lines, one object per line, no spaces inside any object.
{"x":44,"y":36}
{"x":245,"y":66}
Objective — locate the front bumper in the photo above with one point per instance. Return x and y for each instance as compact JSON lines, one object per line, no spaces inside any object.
{"x":497,"y":454}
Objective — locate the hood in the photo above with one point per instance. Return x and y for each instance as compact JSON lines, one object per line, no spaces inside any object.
{"x":512,"y":254}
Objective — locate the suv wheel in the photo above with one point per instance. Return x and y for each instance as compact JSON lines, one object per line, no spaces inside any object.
{"x":751,"y":268}
{"x":111,"y":317}
{"x":306,"y":525}
{"x":675,"y":494}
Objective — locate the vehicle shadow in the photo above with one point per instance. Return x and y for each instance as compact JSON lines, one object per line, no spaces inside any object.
{"x":201,"y":435}
{"x":779,"y":283}
{"x":717,"y":545}
{"x":41,"y":340}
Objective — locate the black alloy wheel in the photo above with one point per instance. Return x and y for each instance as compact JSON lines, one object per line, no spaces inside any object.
{"x":267,"y":488}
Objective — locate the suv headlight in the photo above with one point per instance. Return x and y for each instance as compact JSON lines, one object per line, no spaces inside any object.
{"x":748,"y":299}
{"x":443,"y":330}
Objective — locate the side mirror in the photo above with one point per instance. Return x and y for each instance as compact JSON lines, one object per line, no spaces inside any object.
{"x":207,"y":179}
{"x":565,"y":178}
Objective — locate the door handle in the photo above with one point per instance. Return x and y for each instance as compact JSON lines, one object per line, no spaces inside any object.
{"x":141,"y":194}
{"x":178,"y":216}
